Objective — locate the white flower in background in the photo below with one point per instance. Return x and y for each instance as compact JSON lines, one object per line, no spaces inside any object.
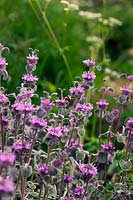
{"x":89,"y":15}
{"x":94,"y":39}
{"x":64,"y":2}
{"x":108,"y":70}
{"x":66,"y":9}
{"x":110,"y":21}
{"x":69,"y":6}
{"x":72,"y":6}
{"x":112,"y":73}
{"x":113,"y":21}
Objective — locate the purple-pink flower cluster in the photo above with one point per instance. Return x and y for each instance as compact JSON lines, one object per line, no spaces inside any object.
{"x":42,"y":152}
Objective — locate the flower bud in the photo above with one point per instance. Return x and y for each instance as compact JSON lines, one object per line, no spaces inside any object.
{"x":40,"y":113}
{"x":52,"y":170}
{"x":80,"y":155}
{"x":26,"y":171}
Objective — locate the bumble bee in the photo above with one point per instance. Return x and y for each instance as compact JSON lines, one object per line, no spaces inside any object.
{"x":70,"y":99}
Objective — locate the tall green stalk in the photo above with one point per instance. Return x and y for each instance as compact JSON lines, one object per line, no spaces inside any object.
{"x":50,"y":32}
{"x":103,"y":31}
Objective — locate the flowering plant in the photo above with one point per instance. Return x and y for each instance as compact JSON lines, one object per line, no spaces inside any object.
{"x":42,"y":155}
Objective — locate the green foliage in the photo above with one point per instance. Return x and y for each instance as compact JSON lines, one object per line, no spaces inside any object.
{"x":78,"y":38}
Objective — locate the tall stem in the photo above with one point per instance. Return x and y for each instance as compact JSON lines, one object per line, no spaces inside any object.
{"x":2,"y":134}
{"x":128,"y":148}
{"x":23,"y":183}
{"x":40,"y":193}
{"x":32,"y":144}
{"x":103,"y":32}
{"x":52,"y":35}
{"x":85,"y":191}
{"x":62,"y":181}
{"x":100,"y":129}
{"x":128,"y":151}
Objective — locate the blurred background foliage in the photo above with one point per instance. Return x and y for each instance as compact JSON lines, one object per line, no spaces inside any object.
{"x":83,"y":28}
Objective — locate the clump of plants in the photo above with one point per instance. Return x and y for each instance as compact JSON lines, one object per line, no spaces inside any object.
{"x":41,"y":151}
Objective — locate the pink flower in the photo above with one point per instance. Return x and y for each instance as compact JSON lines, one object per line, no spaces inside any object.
{"x":38,"y":122}
{"x":102,"y":104}
{"x":61,"y":102}
{"x":6,"y":159}
{"x":5,"y":121}
{"x":18,"y":145}
{"x":76,"y":91}
{"x":115,"y":112}
{"x":125,"y":91}
{"x":55,"y":131}
{"x":23,"y":107}
{"x":68,"y":178}
{"x":32,"y":58}
{"x":107,"y":147}
{"x":85,"y":108}
{"x":75,"y":144}
{"x":3,"y":65}
{"x":68,"y":198}
{"x":89,"y":62}
{"x":46,"y":104}
{"x":42,"y":168}
{"x":88,"y":76}
{"x":3,"y":98}
{"x":88,"y":170}
{"x":25,"y":93}
{"x":129,"y":123}
{"x":130,"y":78}
{"x":29,"y":78}
{"x":78,"y":191}
{"x":6,"y":186}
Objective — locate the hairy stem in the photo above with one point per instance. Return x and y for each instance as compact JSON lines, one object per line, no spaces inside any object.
{"x":2,"y":134}
{"x":40,"y":193}
{"x":85,"y":191}
{"x":32,"y":144}
{"x":23,"y":183}
{"x":62,"y":181}
{"x":100,"y":129}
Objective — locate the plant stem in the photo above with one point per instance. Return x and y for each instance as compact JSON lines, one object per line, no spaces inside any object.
{"x":85,"y":190}
{"x":23,"y":133}
{"x":62,"y":180}
{"x":128,"y":149}
{"x":103,"y":32}
{"x":32,"y":144}
{"x":100,"y":129}
{"x":2,"y":134}
{"x":18,"y":179}
{"x":45,"y":197}
{"x":23,"y":183}
{"x":40,"y":193}
{"x":51,"y":32}
{"x":49,"y":149}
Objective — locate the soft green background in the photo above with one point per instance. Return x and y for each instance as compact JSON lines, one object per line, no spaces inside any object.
{"x":21,"y":29}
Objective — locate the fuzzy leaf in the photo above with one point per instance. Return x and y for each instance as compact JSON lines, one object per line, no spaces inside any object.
{"x":80,"y":155}
{"x":99,"y":68}
{"x":81,"y":131}
{"x":121,"y":138}
{"x":52,"y":191}
{"x":125,"y":165}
